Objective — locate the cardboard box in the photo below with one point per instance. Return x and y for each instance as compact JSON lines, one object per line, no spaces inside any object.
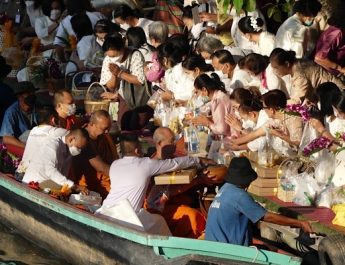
{"x":262,"y":191}
{"x":180,"y":177}
{"x":265,"y":172}
{"x":265,"y":183}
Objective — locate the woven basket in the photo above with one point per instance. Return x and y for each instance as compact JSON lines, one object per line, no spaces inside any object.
{"x":93,"y":105}
{"x":79,"y":93}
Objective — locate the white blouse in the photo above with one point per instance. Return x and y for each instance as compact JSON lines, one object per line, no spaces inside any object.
{"x":266,"y":43}
{"x":290,"y":36}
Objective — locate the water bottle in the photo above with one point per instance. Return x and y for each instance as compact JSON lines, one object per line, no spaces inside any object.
{"x":193,"y":140}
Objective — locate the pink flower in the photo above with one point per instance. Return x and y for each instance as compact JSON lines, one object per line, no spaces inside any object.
{"x":298,"y":109}
{"x":317,"y":145}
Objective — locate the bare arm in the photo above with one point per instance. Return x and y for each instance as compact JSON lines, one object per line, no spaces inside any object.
{"x":99,"y":165}
{"x":13,"y":141}
{"x":250,"y":136}
{"x":130,"y":78}
{"x":286,"y":221}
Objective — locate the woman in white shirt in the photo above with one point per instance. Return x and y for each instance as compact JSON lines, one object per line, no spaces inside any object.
{"x":46,"y":25}
{"x":292,"y":34}
{"x":253,"y":29}
{"x":127,"y":17}
{"x":82,"y":26}
{"x":262,"y":73}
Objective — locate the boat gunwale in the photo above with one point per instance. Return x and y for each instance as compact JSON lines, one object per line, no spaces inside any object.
{"x":159,"y":243}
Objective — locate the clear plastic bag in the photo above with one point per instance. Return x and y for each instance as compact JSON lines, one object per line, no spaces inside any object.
{"x":309,"y":134}
{"x":325,"y":166}
{"x":325,"y":197}
{"x":306,"y":189}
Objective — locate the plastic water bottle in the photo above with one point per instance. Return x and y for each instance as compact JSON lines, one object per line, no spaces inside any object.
{"x":193,"y":140}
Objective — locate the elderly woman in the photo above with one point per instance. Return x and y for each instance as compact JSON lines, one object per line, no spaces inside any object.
{"x":306,"y":76}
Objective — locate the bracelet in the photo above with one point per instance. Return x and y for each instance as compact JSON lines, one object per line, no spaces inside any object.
{"x":119,"y":74}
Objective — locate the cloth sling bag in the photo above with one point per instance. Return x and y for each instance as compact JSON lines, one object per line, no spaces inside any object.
{"x":134,"y":95}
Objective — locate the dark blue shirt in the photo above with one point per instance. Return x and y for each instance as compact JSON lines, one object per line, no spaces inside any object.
{"x":15,"y":122}
{"x":229,"y":215}
{"x":7,"y":98}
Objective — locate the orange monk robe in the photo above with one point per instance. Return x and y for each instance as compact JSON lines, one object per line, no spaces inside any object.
{"x":82,"y":171}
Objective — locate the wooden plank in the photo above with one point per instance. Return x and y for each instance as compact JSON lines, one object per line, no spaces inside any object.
{"x":262,"y":191}
{"x":265,"y":183}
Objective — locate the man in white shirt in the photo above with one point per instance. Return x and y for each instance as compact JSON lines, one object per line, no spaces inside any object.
{"x":53,"y":159}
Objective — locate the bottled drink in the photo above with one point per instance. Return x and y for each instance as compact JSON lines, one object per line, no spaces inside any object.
{"x":192,"y":141}
{"x":17,"y":19}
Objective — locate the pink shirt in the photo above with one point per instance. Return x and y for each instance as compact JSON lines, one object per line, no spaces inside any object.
{"x":331,"y":45}
{"x":220,"y":107}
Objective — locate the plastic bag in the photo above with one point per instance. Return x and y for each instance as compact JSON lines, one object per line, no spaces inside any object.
{"x":325,"y":166}
{"x":325,"y":197}
{"x":339,"y":195}
{"x":339,"y":172}
{"x":306,"y":189}
{"x":309,"y":134}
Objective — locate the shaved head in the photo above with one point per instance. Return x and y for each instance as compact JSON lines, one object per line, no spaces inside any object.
{"x":163,"y":134}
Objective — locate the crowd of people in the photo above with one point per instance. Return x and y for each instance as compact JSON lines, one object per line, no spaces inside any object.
{"x":223,"y":74}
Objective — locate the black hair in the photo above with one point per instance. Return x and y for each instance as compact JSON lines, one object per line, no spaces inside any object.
{"x":339,"y":103}
{"x":81,"y":25}
{"x":308,"y":8}
{"x":241,"y":94}
{"x":249,"y":105}
{"x":106,"y":26}
{"x":275,"y":99}
{"x":337,"y":20}
{"x":167,"y":50}
{"x":136,"y":37}
{"x":180,"y":42}
{"x":187,"y":12}
{"x":47,"y":6}
{"x":327,"y":92}
{"x":254,"y":62}
{"x":113,"y":42}
{"x":224,"y":56}
{"x":212,"y":83}
{"x":250,"y":24}
{"x":197,"y":61}
{"x":45,"y":114}
{"x":124,"y":11}
{"x":282,"y":57}
{"x":74,"y":7}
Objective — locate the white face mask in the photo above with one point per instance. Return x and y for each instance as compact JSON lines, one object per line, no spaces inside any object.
{"x":220,"y":74}
{"x":125,"y":26}
{"x":335,"y":112}
{"x":208,"y":61}
{"x":71,"y":109}
{"x":55,"y":14}
{"x":115,"y":60}
{"x":237,"y":114}
{"x":99,"y":41}
{"x":248,"y":124}
{"x":74,"y":150}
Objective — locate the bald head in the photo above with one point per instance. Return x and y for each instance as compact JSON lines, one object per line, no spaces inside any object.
{"x":163,"y":134}
{"x":99,"y":124}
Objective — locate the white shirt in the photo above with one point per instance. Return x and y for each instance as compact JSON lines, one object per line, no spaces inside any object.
{"x":84,"y":47}
{"x":33,"y":13}
{"x":256,"y":144}
{"x":240,"y":78}
{"x":36,"y":139}
{"x":290,"y":36}
{"x":179,"y":83}
{"x":144,"y":24}
{"x":266,"y":43}
{"x":41,"y":28}
{"x":52,"y":162}
{"x":130,"y":176}
{"x":65,"y":28}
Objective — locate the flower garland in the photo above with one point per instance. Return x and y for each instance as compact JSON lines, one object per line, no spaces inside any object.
{"x":298,"y":110}
{"x":317,"y":145}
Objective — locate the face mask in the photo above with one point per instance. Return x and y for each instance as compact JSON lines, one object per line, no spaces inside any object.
{"x":237,"y":114}
{"x":319,"y":105}
{"x":168,"y":151}
{"x":220,"y":74}
{"x":308,"y":23}
{"x":335,"y":112}
{"x":248,"y":124}
{"x":205,"y":99}
{"x":115,"y":60}
{"x":74,"y":151}
{"x":198,"y":102}
{"x":125,"y":26}
{"x":55,"y":14}
{"x":71,"y":109}
{"x":99,"y":41}
{"x":208,"y":61}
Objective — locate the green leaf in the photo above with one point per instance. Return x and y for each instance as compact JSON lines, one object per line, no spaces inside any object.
{"x":287,"y":8}
{"x":226,"y":4}
{"x":238,"y":5}
{"x":250,"y":5}
{"x":277,"y":16}
{"x":271,"y":11}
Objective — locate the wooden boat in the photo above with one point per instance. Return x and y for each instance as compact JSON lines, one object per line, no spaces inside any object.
{"x":83,"y":238}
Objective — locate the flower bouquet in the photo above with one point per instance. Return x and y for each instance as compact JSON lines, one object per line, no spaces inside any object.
{"x":317,"y":145}
{"x":298,"y":110}
{"x":8,"y":161}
